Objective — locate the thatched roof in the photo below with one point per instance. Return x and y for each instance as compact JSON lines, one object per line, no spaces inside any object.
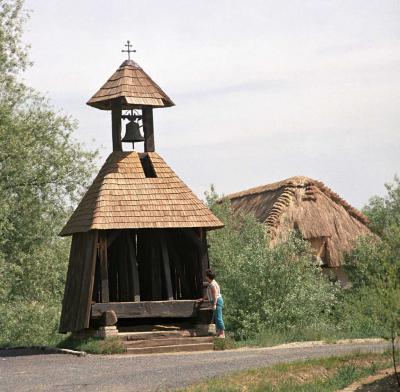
{"x":307,"y":205}
{"x":123,"y":196}
{"x":134,"y":86}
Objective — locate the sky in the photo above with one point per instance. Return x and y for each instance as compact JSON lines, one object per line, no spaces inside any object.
{"x":264,"y":90}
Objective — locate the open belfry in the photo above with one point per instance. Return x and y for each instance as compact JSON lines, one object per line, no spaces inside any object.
{"x":139,"y":247}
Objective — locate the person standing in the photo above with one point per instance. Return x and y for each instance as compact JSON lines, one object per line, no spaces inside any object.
{"x":215,"y":297}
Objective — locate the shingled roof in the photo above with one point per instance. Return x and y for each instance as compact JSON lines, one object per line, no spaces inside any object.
{"x":122,"y":197}
{"x":307,"y":205}
{"x":133,"y":86}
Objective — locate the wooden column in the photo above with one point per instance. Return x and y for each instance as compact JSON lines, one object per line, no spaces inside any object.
{"x":123,"y":278}
{"x":154,"y":258}
{"x":204,"y":251}
{"x":204,"y":260}
{"x":105,"y":295}
{"x":116,"y":112}
{"x":166,"y":267}
{"x":148,"y":129}
{"x":133,"y":267}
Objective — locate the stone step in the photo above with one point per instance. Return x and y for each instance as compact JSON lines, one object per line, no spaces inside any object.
{"x":153,"y":327}
{"x":167,"y":342}
{"x":171,"y":349}
{"x":164,"y":334}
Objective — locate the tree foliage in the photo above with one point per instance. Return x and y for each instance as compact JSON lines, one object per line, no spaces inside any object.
{"x":42,"y":173}
{"x":384,"y":211}
{"x":374,"y":264}
{"x":277,"y":288}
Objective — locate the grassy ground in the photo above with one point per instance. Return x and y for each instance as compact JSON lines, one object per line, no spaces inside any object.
{"x":320,"y":375}
{"x":272,"y":338}
{"x":94,"y":345}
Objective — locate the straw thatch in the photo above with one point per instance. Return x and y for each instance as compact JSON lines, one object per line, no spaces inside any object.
{"x":133,"y":86}
{"x":321,"y":216}
{"x":122,"y":197}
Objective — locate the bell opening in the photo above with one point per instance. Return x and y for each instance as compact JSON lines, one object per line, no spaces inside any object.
{"x":132,"y":129}
{"x":147,"y":166}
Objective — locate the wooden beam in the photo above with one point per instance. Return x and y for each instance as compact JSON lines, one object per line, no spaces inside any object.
{"x":204,"y":260}
{"x":116,"y":112}
{"x":105,"y":293}
{"x":112,"y":236}
{"x":148,"y":129}
{"x":124,"y":293}
{"x":151,"y":309}
{"x":193,"y":236}
{"x":166,"y":267}
{"x":154,"y":257}
{"x":131,"y":241}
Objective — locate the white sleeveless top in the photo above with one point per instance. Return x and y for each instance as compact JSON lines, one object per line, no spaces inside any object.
{"x":209,"y":292}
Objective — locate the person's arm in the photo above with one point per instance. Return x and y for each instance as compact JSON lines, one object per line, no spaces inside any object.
{"x":214,"y":295}
{"x":204,"y":298}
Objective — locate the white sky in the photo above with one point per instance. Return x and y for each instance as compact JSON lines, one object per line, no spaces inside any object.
{"x":264,"y":90}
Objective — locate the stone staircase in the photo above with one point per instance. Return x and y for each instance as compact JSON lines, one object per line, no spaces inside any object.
{"x":165,"y":339}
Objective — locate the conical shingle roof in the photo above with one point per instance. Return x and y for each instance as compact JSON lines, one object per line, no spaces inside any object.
{"x":133,"y":86}
{"x":122,"y":197}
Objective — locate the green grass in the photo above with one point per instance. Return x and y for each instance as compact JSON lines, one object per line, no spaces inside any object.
{"x":269,"y":338}
{"x":317,"y":375}
{"x":94,"y":345}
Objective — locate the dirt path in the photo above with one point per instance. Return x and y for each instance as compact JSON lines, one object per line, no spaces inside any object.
{"x":24,"y":371}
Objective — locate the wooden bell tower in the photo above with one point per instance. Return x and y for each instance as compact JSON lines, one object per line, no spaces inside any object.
{"x":139,"y":235}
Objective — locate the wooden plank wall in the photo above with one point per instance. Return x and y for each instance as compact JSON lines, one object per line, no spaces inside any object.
{"x":123,"y":271}
{"x":76,"y":304}
{"x":152,"y":265}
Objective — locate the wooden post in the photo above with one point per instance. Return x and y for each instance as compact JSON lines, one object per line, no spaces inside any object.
{"x":153,"y":257}
{"x":105,"y":295}
{"x":133,"y":265}
{"x":123,"y":278}
{"x":204,"y":260}
{"x":204,"y":251}
{"x":166,"y":267}
{"x":148,"y":129}
{"x":116,"y":112}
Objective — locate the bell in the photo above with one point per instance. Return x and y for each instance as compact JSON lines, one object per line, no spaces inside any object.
{"x":132,"y":134}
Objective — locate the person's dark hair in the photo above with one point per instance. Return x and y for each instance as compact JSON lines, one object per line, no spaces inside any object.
{"x":210,"y":274}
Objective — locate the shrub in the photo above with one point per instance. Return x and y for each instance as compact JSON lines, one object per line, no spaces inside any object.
{"x":276,"y":288}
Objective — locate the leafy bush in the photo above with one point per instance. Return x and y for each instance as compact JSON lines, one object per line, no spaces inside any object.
{"x":112,"y":345}
{"x":277,"y":288}
{"x":24,"y":323}
{"x":372,"y":305}
{"x":42,"y":173}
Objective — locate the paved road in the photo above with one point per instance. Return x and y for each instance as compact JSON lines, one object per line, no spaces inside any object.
{"x":58,"y":372}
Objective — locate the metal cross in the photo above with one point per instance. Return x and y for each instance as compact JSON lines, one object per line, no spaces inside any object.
{"x":129,"y":50}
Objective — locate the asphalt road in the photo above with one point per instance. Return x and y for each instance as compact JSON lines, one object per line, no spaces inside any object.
{"x":60,"y":372}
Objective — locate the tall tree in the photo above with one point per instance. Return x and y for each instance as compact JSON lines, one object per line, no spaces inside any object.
{"x":42,"y":173}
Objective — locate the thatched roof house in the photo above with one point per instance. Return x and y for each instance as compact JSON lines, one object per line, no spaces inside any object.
{"x":322,"y":217}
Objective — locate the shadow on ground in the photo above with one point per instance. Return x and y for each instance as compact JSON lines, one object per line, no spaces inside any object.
{"x":21,"y":352}
{"x":387,"y":384}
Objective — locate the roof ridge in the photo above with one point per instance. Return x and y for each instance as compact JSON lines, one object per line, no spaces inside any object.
{"x":291,"y":181}
{"x":301,"y":181}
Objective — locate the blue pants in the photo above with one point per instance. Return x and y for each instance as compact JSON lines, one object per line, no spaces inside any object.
{"x":219,"y":323}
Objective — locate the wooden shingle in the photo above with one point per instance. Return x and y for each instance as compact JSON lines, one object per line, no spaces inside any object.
{"x":121,"y":197}
{"x":133,"y":86}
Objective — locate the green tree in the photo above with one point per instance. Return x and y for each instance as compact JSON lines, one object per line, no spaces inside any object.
{"x":266,"y":288}
{"x":374,"y":269}
{"x":43,"y":171}
{"x":384,"y":211}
